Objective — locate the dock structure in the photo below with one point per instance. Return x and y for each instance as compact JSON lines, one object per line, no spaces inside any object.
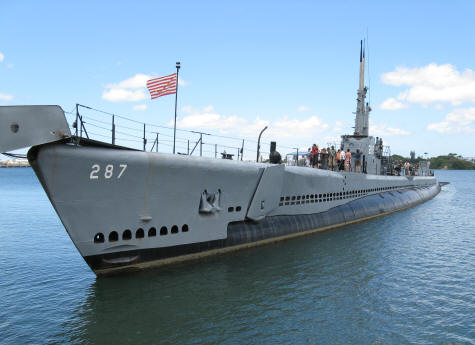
{"x":14,"y":163}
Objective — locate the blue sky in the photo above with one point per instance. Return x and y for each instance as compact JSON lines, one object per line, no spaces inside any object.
{"x":292,"y":66}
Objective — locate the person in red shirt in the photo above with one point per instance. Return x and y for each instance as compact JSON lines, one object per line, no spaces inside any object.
{"x":315,"y":153}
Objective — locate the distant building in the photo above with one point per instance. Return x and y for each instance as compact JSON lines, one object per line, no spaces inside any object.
{"x":291,"y":158}
{"x":469,"y":159}
{"x":14,"y":163}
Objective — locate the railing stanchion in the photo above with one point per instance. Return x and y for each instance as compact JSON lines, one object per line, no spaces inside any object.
{"x":201,"y":144}
{"x":77,"y":118}
{"x":144,"y":139}
{"x":113,"y":129}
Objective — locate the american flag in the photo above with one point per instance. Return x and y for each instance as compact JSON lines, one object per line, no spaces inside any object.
{"x":162,"y":86}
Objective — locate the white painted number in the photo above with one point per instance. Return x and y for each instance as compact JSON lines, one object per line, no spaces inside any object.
{"x":108,"y":172}
{"x":94,"y":171}
{"x":123,"y":166}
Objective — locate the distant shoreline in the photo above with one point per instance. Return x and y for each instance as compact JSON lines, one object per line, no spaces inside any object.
{"x":14,"y":166}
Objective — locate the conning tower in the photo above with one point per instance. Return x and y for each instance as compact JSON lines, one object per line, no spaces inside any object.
{"x":362,"y":107}
{"x":360,"y":139}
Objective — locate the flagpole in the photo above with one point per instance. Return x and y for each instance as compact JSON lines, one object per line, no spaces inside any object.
{"x":176,"y":100}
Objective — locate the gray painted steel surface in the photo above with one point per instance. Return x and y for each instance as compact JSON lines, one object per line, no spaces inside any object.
{"x":109,"y":199}
{"x":28,"y":125}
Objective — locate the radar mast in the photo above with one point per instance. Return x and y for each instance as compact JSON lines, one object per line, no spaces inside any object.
{"x":362,"y":107}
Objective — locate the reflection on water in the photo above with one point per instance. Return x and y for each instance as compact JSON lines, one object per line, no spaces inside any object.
{"x":404,"y":278}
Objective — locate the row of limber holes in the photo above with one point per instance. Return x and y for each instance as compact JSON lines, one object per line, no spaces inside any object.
{"x":231,"y":209}
{"x":140,"y":233}
{"x":312,"y":198}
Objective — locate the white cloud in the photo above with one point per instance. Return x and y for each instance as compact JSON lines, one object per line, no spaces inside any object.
{"x":392,"y":104}
{"x":5,"y":97}
{"x":207,"y":119}
{"x":2,"y":57}
{"x":282,"y":128}
{"x":458,"y":121}
{"x":341,"y":127}
{"x":132,"y":89}
{"x":383,"y":130}
{"x":119,"y":95}
{"x":332,"y":140}
{"x":182,"y":82}
{"x":208,"y":108}
{"x":292,"y":127}
{"x":303,"y":108}
{"x":140,"y":107}
{"x":136,"y":82}
{"x":433,"y":84}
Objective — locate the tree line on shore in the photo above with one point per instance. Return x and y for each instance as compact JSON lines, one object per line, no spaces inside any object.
{"x":451,"y":161}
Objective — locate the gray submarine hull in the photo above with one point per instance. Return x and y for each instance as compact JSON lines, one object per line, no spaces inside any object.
{"x":128,"y":209}
{"x":246,"y":234}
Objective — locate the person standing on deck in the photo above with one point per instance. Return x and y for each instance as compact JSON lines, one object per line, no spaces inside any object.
{"x":341,"y":163}
{"x":398,"y":168}
{"x":406,"y":168}
{"x":333,"y":161}
{"x":338,"y":159}
{"x":358,"y":161}
{"x":348,"y":160}
{"x":317,"y":157}
{"x":308,"y":158}
{"x":324,"y":159}
{"x":314,"y":156}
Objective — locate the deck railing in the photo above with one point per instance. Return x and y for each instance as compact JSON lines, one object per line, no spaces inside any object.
{"x":121,"y":130}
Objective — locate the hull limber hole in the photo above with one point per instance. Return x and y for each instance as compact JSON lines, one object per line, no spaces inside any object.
{"x":152,"y":232}
{"x":99,"y":238}
{"x":184,"y":228}
{"x":113,"y":236}
{"x":139,"y":233}
{"x":238,"y":208}
{"x":127,"y":235}
{"x":230,"y":209}
{"x":174,"y":229}
{"x":163,"y":231}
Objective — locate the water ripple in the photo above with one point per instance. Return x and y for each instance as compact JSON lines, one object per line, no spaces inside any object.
{"x":405,"y":278}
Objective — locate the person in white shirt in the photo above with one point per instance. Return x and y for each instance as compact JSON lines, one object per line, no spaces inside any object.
{"x":406,"y":168}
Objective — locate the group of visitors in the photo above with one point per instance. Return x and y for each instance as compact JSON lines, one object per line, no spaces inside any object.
{"x":330,"y":159}
{"x":405,"y":169}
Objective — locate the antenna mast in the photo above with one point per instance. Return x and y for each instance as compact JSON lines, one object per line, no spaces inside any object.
{"x":362,"y":107}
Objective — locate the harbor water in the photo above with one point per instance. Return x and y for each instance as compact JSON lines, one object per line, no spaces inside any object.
{"x":407,"y":278}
